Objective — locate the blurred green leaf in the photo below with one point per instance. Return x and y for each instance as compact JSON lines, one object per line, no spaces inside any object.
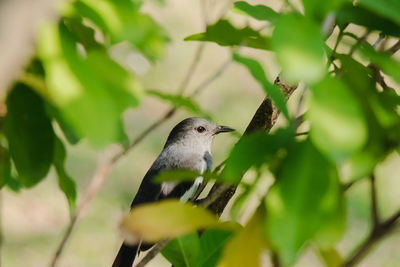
{"x":83,"y":34}
{"x":258,"y":73}
{"x":382,"y":119}
{"x":259,"y":12}
{"x":224,"y":34}
{"x":212,"y":242}
{"x":331,"y":257}
{"x":183,"y":251}
{"x":253,"y":150}
{"x":65,"y":182}
{"x":306,"y":201}
{"x":5,"y":166}
{"x":180,"y":101}
{"x":122,"y":21}
{"x":337,"y":124}
{"x":361,"y":16}
{"x":382,"y":60}
{"x":90,"y":92}
{"x":177,"y":219}
{"x":30,"y":135}
{"x":245,"y":247}
{"x":299,"y":48}
{"x":319,"y":9}
{"x":387,"y":8}
{"x":69,"y":133}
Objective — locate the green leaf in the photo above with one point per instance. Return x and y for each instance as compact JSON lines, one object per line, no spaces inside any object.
{"x":362,"y":16}
{"x":387,"y":8}
{"x":258,"y":73}
{"x":30,"y":135}
{"x":177,"y":219}
{"x":381,"y":116}
{"x":90,"y":92}
{"x":254,"y":150}
{"x":5,"y":166}
{"x":212,"y":242}
{"x":305,"y":203}
{"x":337,"y":124}
{"x":183,"y":251}
{"x":319,"y":9}
{"x":259,"y":12}
{"x":245,"y":247}
{"x":180,"y":101}
{"x":224,"y":34}
{"x":82,"y":33}
{"x":383,"y":61}
{"x":66,"y":128}
{"x":299,"y":48}
{"x":122,"y":21}
{"x":65,"y":182}
{"x":331,"y":257}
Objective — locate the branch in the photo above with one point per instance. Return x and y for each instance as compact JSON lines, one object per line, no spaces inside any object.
{"x":263,"y":120}
{"x":103,"y":169}
{"x":376,"y":234}
{"x":394,"y":48}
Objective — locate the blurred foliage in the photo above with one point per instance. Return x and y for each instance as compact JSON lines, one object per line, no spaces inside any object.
{"x":73,"y":84}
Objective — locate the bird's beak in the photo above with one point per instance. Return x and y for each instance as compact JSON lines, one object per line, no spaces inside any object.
{"x":223,"y":129}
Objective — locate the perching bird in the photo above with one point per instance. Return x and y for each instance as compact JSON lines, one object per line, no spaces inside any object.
{"x":188,"y":147}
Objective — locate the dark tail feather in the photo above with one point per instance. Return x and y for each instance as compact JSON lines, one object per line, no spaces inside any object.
{"x":126,"y":255}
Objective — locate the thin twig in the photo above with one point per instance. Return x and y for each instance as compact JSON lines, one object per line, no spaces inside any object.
{"x":374,"y":205}
{"x":102,"y":170}
{"x":394,"y":48}
{"x":153,"y":252}
{"x":376,"y":234}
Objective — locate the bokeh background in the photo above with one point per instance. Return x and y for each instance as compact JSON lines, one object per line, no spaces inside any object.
{"x":33,"y":221}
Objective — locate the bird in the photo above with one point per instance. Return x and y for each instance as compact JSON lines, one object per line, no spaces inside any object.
{"x":188,"y":146}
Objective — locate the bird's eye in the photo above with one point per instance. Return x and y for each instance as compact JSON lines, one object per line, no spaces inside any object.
{"x":200,"y":129}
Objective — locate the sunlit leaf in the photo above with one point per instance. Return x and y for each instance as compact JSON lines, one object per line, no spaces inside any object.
{"x":90,"y":93}
{"x":259,"y":12}
{"x":331,"y":257}
{"x":337,"y":124}
{"x":65,"y":182}
{"x":183,"y":251}
{"x":177,"y":219}
{"x":122,"y":21}
{"x":361,"y":16}
{"x":305,"y":202}
{"x":270,"y":89}
{"x":29,"y":133}
{"x":253,"y":150}
{"x":224,"y":34}
{"x":245,"y":247}
{"x":299,"y":48}
{"x":180,"y":101}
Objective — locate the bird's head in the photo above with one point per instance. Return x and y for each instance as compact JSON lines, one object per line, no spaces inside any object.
{"x":195,"y":132}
